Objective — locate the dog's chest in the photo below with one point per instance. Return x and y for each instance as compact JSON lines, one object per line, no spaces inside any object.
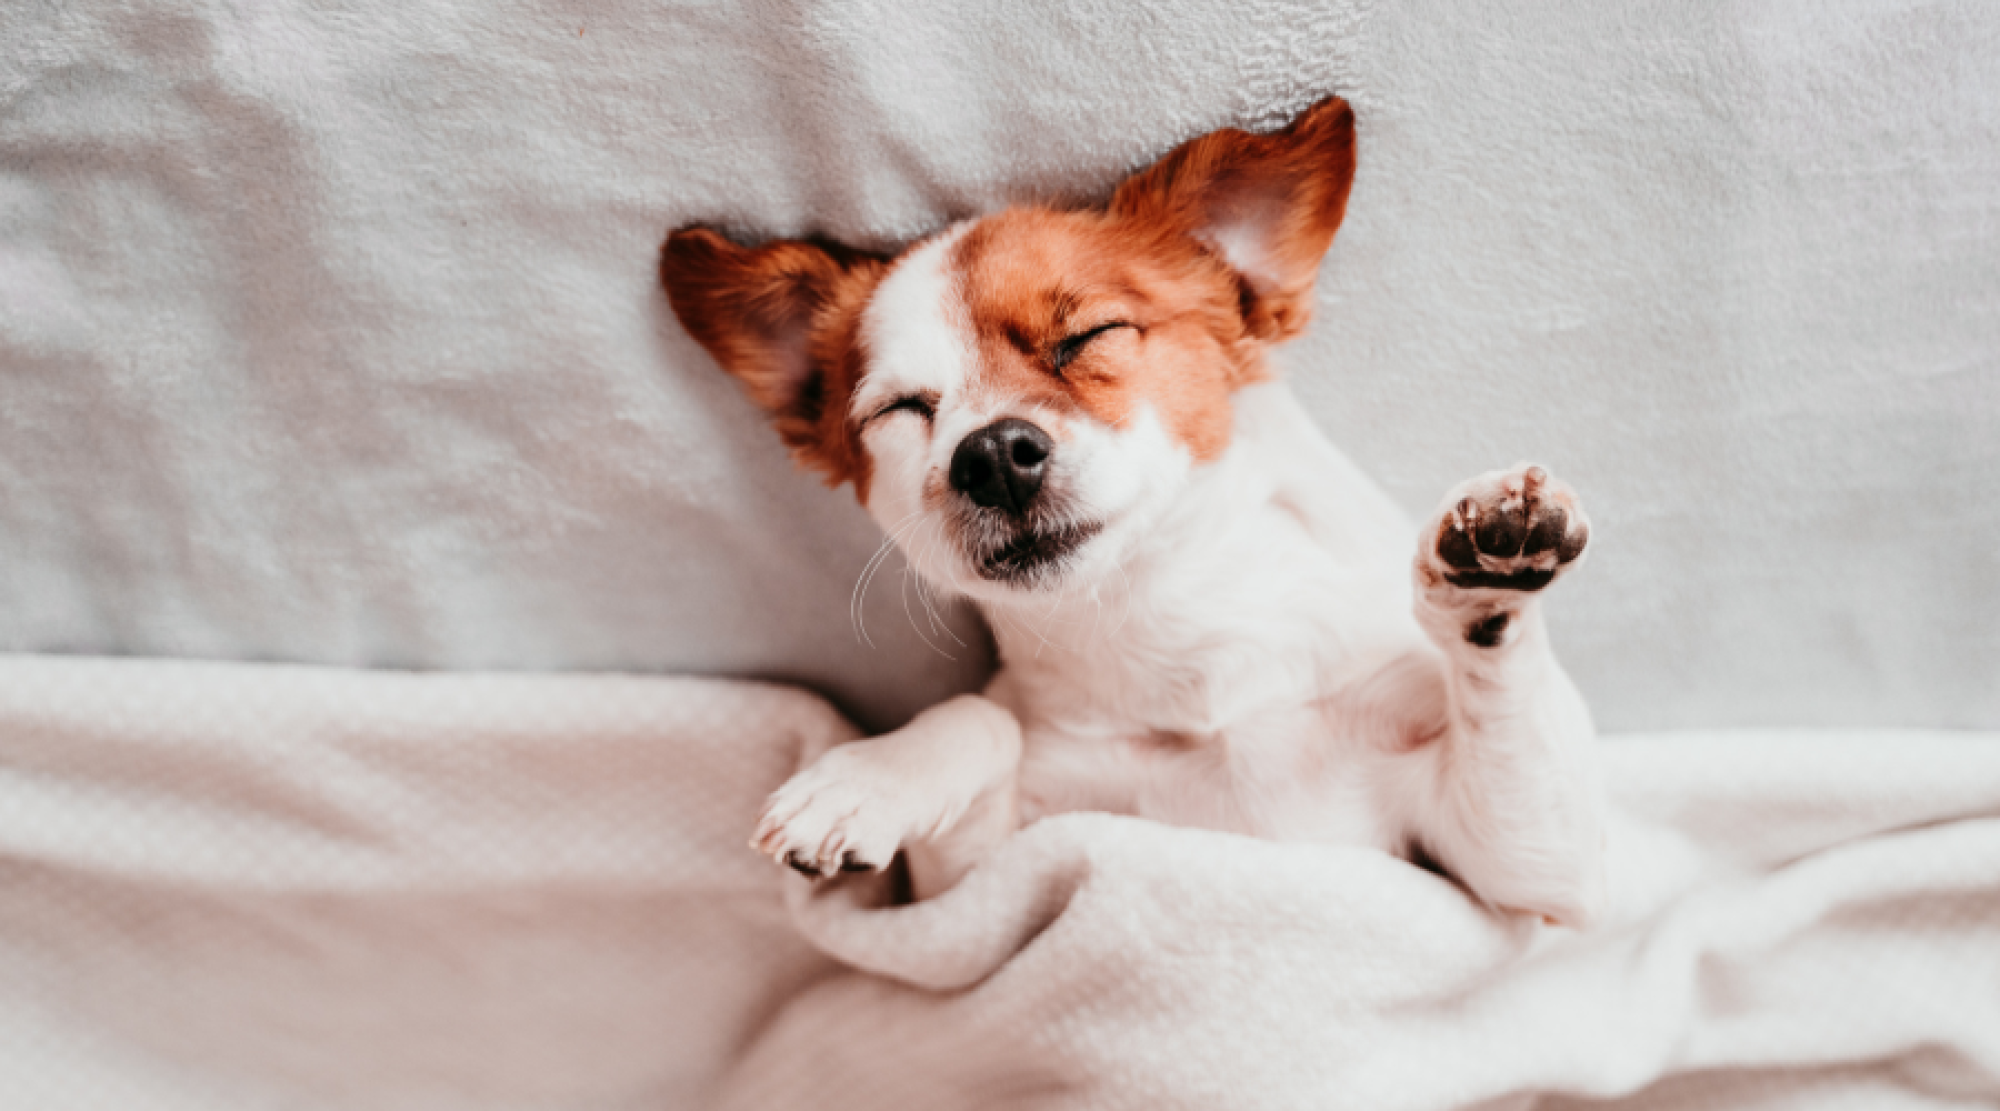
{"x":1230,"y":682}
{"x":1302,"y":772}
{"x":1264,"y":718}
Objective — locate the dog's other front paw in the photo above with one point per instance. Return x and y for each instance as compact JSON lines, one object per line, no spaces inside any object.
{"x":839,"y":815}
{"x":1514,"y":530}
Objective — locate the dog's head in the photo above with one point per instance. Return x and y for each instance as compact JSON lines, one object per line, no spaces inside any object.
{"x":1016,"y":398}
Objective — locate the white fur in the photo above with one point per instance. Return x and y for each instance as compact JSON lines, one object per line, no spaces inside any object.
{"x":914,"y":330}
{"x":1239,"y":648}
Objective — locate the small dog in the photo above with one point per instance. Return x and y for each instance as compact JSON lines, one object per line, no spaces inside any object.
{"x":1066,"y":414}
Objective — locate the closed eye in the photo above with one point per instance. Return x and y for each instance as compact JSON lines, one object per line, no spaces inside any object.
{"x":1067,"y":348}
{"x":922,"y":404}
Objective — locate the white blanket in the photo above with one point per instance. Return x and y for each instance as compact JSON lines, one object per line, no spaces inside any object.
{"x":251,"y":886}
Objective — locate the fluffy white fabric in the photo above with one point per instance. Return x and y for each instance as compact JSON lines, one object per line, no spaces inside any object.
{"x":332,"y":334}
{"x":254,"y":886}
{"x":231,"y":886}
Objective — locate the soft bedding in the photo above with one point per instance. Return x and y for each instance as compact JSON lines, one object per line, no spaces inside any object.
{"x":329,"y":334}
{"x":230,"y":885}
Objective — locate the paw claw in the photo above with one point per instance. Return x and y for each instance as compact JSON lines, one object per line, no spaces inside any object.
{"x":842,"y":814}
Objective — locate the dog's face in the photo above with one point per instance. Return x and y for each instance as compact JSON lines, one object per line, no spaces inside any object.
{"x":1017,"y":398}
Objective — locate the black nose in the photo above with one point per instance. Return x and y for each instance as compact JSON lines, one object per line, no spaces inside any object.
{"x":1001,"y":465}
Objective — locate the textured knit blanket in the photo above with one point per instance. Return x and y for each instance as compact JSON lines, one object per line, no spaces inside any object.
{"x":255,"y":886}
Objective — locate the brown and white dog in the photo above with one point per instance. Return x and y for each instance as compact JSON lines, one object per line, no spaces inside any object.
{"x":1205,"y":615}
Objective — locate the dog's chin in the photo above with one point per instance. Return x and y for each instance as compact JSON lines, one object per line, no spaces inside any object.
{"x":1034,"y":557}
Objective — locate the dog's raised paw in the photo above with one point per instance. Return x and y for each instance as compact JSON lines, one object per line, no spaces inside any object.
{"x":1516,"y":529}
{"x":839,"y":815}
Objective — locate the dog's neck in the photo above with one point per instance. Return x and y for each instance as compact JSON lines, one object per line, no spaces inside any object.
{"x":1224,"y":607}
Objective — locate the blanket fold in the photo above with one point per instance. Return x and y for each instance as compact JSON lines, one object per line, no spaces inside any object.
{"x":1784,"y":905}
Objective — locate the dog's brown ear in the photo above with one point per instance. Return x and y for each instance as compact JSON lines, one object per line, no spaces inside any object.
{"x":1267,"y":204}
{"x":782,"y":318}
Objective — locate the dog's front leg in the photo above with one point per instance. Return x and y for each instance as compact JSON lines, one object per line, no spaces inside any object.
{"x":1512,"y":803}
{"x":940,"y":789}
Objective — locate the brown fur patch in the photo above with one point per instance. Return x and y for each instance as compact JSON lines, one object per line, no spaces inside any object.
{"x":1032,"y":277}
{"x":1151,"y":259}
{"x":1286,"y":192}
{"x":785,"y":320}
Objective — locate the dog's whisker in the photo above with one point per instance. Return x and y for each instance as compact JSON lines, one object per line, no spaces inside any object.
{"x":1020,"y":624}
{"x":914,"y":627}
{"x":935,"y":602}
{"x":855,"y":614}
{"x":910,"y":571}
{"x":858,"y":602}
{"x":929,"y":592}
{"x":856,"y":610}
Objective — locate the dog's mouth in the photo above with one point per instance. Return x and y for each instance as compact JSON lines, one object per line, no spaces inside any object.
{"x":1033,"y":551}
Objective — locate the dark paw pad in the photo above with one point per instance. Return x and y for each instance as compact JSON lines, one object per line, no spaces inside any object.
{"x":1514,"y":534}
{"x":1487,"y":631}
